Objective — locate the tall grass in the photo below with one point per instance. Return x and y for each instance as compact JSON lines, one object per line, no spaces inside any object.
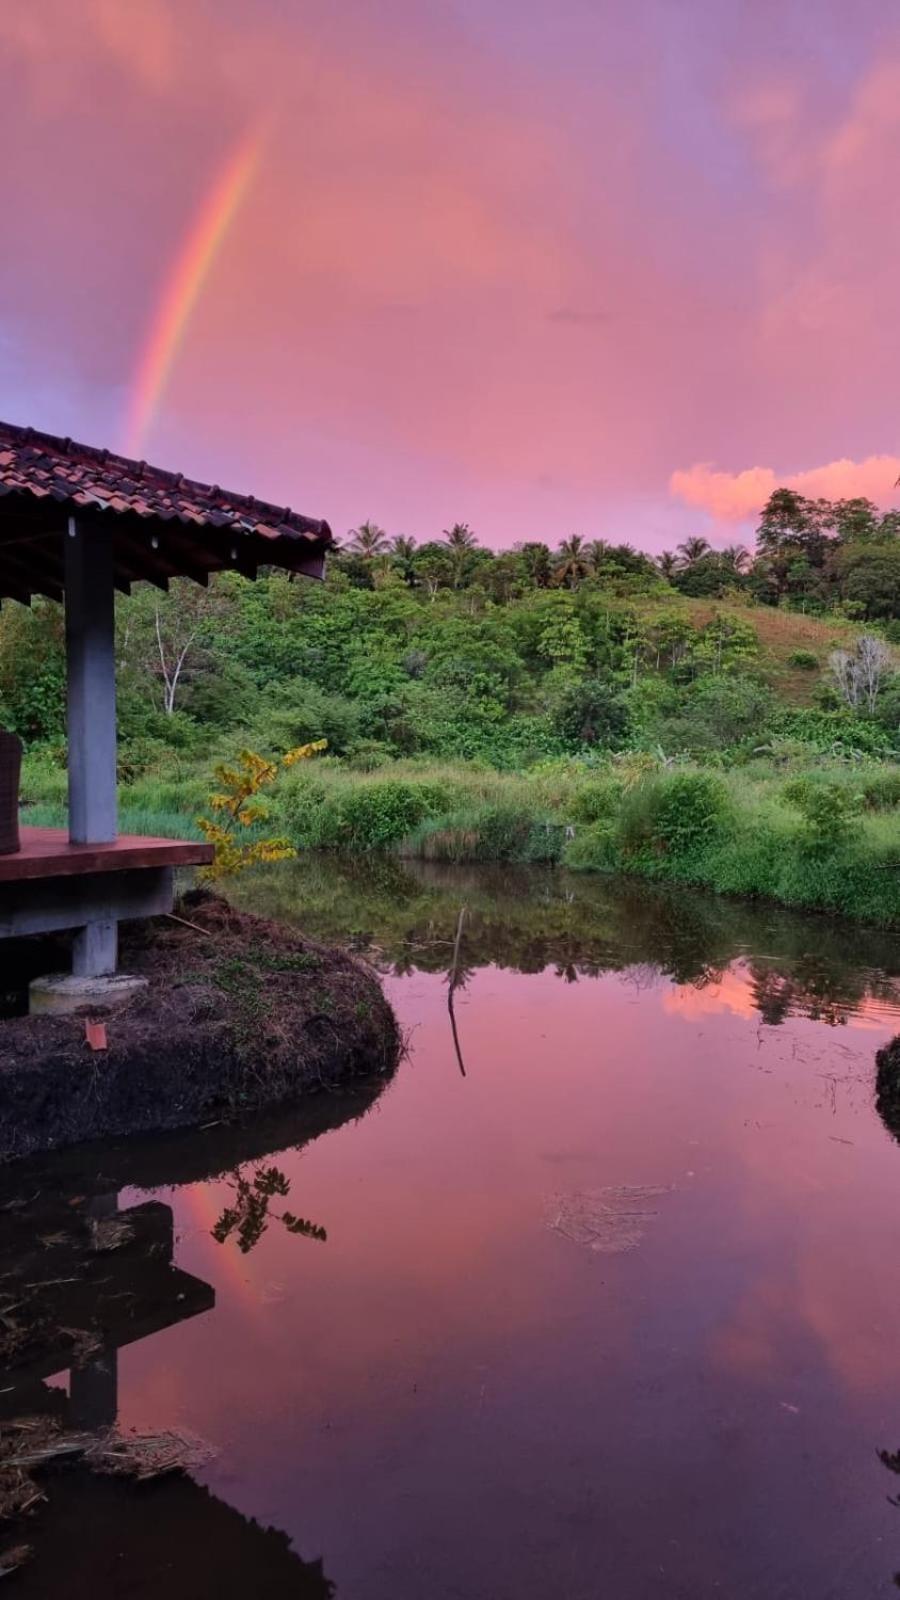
{"x":790,"y":825}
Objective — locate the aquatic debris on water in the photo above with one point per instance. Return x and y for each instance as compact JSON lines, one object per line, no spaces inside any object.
{"x":29,"y":1443}
{"x":110,"y":1233}
{"x":607,"y":1221}
{"x":147,"y":1455}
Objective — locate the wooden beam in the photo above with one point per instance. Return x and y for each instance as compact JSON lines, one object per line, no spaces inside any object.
{"x":32,"y":571}
{"x":145,"y":554}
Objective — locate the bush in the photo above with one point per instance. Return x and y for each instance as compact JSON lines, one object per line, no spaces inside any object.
{"x":297,"y":712}
{"x":499,"y":832}
{"x":369,"y":814}
{"x":807,"y":660}
{"x":827,"y":810}
{"x":881,"y":789}
{"x":673,"y":815}
{"x":592,"y":712}
{"x":718,"y":712}
{"x":596,"y":801}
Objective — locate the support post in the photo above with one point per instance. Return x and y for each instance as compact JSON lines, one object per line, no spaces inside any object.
{"x":95,"y":950}
{"x":94,"y":1388}
{"x":91,"y":669}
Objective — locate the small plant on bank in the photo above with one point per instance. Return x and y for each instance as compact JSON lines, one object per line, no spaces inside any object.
{"x":236,"y":806}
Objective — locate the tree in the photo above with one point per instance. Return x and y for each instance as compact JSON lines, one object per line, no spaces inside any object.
{"x":736,"y":557}
{"x":33,"y":670}
{"x":462,"y":546}
{"x":403,"y":558}
{"x":868,"y":573}
{"x":597,"y":553}
{"x":693,"y":549}
{"x":788,"y":518}
{"x":592,"y":712}
{"x":537,"y":563}
{"x":368,"y":540}
{"x":572,"y":562}
{"x":854,"y":519}
{"x":171,"y":635}
{"x":460,"y":537}
{"x":859,"y":674}
{"x":667,"y":564}
{"x":792,"y":543}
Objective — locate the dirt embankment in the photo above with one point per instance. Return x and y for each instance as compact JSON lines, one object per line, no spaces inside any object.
{"x":240,"y":1014}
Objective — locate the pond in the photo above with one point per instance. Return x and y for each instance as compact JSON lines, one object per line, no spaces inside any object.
{"x":598,"y":1297}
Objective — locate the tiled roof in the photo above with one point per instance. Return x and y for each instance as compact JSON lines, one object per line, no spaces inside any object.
{"x":199,"y":527}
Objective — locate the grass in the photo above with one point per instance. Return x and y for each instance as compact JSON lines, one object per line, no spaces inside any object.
{"x":738,"y":831}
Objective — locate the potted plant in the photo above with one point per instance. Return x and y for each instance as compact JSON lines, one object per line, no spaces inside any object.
{"x":10,"y":772}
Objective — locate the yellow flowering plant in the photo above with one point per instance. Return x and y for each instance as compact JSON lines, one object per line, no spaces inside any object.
{"x":235,"y":806}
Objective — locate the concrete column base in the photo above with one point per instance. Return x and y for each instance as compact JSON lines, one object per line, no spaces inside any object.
{"x":63,"y":994}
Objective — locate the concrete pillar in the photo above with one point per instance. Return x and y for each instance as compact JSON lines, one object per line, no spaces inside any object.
{"x":91,"y":667}
{"x":95,"y":950}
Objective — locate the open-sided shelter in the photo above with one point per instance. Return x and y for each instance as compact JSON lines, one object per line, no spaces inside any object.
{"x":76,"y":524}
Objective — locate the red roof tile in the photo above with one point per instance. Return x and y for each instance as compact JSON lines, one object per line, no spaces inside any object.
{"x":42,"y":475}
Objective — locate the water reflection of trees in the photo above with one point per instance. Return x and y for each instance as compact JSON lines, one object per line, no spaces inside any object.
{"x":83,"y":1276}
{"x":405,"y":914}
{"x":250,"y":1212}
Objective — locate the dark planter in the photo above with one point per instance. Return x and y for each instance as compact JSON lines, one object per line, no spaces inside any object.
{"x":10,"y":772}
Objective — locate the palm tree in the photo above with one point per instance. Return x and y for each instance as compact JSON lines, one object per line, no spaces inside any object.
{"x":667,"y":565}
{"x":460,"y":537}
{"x":461,"y":543}
{"x":597,"y":553}
{"x":403,"y":556}
{"x":736,"y":557}
{"x":694,"y":549}
{"x":572,"y":564}
{"x":368,"y":540}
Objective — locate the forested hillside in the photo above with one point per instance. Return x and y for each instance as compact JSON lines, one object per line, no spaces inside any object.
{"x":565,"y":688}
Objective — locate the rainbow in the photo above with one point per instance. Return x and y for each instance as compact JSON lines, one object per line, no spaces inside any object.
{"x":190,"y":270}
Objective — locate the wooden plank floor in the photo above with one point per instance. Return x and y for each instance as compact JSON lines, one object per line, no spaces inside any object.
{"x":48,"y":853}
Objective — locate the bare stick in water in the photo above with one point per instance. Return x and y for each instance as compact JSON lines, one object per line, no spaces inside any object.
{"x":454,"y":983}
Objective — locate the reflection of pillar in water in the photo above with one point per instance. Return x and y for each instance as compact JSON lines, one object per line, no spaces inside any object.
{"x":94,"y":1392}
{"x":94,"y":1388}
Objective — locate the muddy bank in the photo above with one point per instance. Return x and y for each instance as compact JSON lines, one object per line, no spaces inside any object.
{"x":240,"y":1014}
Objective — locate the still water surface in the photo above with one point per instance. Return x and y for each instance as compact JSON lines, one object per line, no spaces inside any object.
{"x":609,"y":1302}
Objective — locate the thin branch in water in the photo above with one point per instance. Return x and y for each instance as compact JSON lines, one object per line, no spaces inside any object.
{"x":453,"y":985}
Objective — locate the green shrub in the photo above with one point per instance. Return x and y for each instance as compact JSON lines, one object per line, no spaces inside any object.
{"x":827,"y":810}
{"x":369,"y":814}
{"x":881,"y":789}
{"x":296,"y":712}
{"x":598,"y":800}
{"x":673,"y":815}
{"x":717,"y":712}
{"x":807,"y":660}
{"x":593,"y":712}
{"x":487,"y":833}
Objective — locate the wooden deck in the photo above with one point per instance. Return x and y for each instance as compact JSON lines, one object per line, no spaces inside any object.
{"x":48,"y":853}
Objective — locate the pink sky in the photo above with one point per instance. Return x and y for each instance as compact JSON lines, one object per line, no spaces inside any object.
{"x":546,"y":268}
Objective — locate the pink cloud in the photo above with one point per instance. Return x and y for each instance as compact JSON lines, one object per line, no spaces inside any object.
{"x":735,"y":496}
{"x":487,"y":272}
